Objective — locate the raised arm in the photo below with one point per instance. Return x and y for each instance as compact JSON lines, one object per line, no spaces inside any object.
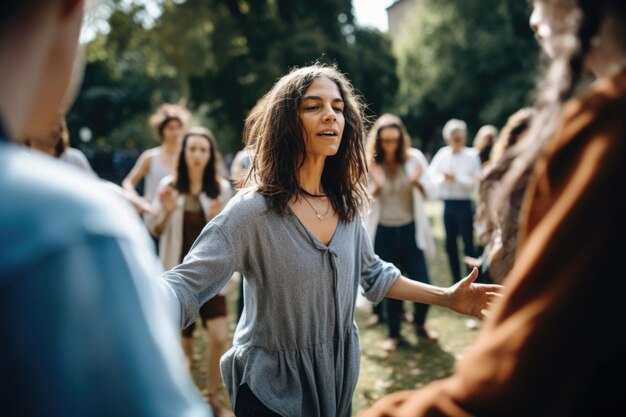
{"x":136,"y":174}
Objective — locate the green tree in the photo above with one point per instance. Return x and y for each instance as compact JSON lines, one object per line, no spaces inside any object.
{"x":473,"y":60}
{"x":219,"y":57}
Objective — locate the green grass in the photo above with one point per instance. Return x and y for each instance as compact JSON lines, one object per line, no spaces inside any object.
{"x":413,"y":365}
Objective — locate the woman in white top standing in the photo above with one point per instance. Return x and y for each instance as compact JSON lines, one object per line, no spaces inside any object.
{"x":185,"y":202}
{"x":153,"y":164}
{"x":455,"y":170}
{"x":397,"y":223}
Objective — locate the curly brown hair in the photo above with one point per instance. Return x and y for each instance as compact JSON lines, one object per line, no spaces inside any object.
{"x":165,"y":114}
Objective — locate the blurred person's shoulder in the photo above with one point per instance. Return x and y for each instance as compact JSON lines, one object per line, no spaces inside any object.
{"x":606,"y":98}
{"x":415,"y":153}
{"x":48,"y":206}
{"x":602,"y":108}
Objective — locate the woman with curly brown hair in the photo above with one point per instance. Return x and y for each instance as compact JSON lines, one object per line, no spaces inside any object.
{"x":297,"y":237}
{"x":169,"y":122}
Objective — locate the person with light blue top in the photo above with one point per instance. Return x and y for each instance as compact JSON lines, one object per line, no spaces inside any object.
{"x":86,"y":325}
{"x":297,"y":237}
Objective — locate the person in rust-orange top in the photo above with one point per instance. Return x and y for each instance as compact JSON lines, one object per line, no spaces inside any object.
{"x":553,"y":344}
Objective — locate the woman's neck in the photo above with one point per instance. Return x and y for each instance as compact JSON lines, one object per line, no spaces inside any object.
{"x":310,"y":175}
{"x":195,"y":180}
{"x":170,"y":146}
{"x":390,"y":160}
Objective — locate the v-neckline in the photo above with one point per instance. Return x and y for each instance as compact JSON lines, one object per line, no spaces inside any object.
{"x":308,"y":231}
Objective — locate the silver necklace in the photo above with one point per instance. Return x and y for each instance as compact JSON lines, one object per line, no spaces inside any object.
{"x":319,"y":216}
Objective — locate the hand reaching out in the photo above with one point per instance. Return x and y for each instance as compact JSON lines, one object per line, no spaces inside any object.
{"x":467,"y":297}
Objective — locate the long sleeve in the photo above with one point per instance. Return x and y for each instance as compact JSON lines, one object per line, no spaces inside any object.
{"x":377,"y":276}
{"x":426,"y":180}
{"x":205,"y":270}
{"x":435,"y":169}
{"x":469,"y":180}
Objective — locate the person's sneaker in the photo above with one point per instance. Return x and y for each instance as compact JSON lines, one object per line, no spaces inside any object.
{"x":390,"y":345}
{"x":426,"y":334}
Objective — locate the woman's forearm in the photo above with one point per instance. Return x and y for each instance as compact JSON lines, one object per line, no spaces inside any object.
{"x":409,"y":290}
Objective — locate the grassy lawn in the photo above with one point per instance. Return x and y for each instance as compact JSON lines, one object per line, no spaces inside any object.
{"x":413,"y":364}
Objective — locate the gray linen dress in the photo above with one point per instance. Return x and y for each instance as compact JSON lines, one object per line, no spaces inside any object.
{"x":296,"y":344}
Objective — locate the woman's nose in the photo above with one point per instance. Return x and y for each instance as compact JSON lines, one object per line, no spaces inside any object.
{"x":329,"y":115}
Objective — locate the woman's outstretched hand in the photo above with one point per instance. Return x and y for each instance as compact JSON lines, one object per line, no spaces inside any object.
{"x":467,"y":297}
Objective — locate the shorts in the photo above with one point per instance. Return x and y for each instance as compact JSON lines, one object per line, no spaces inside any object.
{"x":214,"y":308}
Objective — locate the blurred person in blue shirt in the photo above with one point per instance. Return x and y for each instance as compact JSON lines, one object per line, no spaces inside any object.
{"x":87,"y":330}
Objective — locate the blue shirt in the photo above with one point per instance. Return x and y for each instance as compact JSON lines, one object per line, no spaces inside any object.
{"x":86,"y":329}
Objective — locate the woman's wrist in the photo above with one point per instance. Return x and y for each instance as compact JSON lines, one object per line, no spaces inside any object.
{"x":447,"y":297}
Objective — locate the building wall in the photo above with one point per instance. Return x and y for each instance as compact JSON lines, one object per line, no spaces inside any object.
{"x":396,"y":14}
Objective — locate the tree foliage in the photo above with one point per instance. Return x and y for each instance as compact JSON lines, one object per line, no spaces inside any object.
{"x":473,"y":60}
{"x":219,"y":57}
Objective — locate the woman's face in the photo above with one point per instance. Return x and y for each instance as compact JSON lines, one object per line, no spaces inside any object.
{"x":197,"y":152}
{"x":551,"y":18}
{"x":390,"y":139}
{"x":172,"y":131}
{"x":321,"y":114}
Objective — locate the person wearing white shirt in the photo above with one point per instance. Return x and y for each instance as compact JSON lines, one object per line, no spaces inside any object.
{"x":454,"y":170}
